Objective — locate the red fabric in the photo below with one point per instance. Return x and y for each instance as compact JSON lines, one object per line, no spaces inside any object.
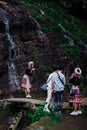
{"x":23,"y":85}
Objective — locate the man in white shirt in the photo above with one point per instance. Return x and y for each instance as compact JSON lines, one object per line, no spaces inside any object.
{"x":55,"y":82}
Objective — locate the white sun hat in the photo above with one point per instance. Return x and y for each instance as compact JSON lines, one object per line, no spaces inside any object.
{"x":78,"y":71}
{"x":31,"y":65}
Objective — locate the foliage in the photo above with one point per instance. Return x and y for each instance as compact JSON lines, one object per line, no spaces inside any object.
{"x":84,"y":108}
{"x":84,"y":88}
{"x":55,"y":118}
{"x":37,"y":115}
{"x":1,"y":106}
{"x":73,"y":50}
{"x":33,"y":47}
{"x":55,"y":15}
{"x":43,"y":67}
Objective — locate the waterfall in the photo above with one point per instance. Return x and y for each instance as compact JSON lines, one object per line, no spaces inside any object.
{"x":70,"y":40}
{"x":40,"y":34}
{"x":66,"y":35}
{"x":13,"y":53}
{"x":42,"y":12}
{"x":13,"y":77}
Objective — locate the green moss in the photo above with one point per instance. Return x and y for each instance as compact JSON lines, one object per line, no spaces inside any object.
{"x":75,"y":51}
{"x":54,"y":14}
{"x":54,"y":118}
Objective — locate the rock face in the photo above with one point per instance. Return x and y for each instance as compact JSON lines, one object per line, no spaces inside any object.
{"x":25,"y":32}
{"x":33,"y":45}
{"x":17,"y":30}
{"x":16,"y":17}
{"x":76,"y":7}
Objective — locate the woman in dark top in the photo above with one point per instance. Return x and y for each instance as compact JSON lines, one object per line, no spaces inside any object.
{"x":75,"y":95}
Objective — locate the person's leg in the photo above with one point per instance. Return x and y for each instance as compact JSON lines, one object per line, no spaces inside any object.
{"x":79,"y":108}
{"x":25,"y":90}
{"x":79,"y":105}
{"x":49,"y":96}
{"x":75,"y":112}
{"x":60,"y":101}
{"x":75,"y":106}
{"x":56,"y":97}
{"x":28,"y":92}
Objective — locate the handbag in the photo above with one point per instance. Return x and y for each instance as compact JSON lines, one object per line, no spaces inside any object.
{"x":44,"y":87}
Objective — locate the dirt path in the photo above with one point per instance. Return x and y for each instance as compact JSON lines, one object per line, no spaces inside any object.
{"x":67,"y":122}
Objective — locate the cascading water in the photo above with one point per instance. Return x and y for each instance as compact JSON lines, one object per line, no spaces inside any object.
{"x":70,"y":40}
{"x":13,"y":53}
{"x":13,"y":76}
{"x":41,"y":36}
{"x":66,"y":35}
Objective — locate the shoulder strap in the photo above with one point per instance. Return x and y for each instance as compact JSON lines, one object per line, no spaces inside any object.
{"x":60,"y":79}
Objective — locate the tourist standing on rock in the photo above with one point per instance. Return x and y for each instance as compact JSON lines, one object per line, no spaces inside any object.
{"x":75,"y":95}
{"x":26,"y":82}
{"x":56,"y":87}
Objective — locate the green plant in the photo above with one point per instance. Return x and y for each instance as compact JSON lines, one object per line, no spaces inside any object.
{"x":55,"y":118}
{"x":43,"y":67}
{"x":38,"y":114}
{"x":55,"y":14}
{"x":38,"y":16}
{"x":75,"y":50}
{"x":84,"y":108}
{"x":1,"y":106}
{"x":32,"y":47}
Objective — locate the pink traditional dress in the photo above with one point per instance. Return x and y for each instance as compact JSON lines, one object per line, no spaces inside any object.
{"x":75,"y":79}
{"x":75,"y":95}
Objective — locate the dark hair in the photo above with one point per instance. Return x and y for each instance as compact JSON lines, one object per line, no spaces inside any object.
{"x":28,"y":72}
{"x":59,"y":67}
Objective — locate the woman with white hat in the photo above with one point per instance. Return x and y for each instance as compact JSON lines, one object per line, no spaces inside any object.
{"x":75,"y":95}
{"x":26,"y":82}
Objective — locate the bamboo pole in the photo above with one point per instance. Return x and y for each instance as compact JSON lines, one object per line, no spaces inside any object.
{"x":16,"y":121}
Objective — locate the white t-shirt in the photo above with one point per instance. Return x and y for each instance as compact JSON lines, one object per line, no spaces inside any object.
{"x":49,"y":81}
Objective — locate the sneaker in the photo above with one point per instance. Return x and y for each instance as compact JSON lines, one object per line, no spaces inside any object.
{"x":46,"y":109}
{"x":74,"y":113}
{"x":60,"y":113}
{"x":56,"y":113}
{"x":28,"y":96}
{"x":79,"y":112}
